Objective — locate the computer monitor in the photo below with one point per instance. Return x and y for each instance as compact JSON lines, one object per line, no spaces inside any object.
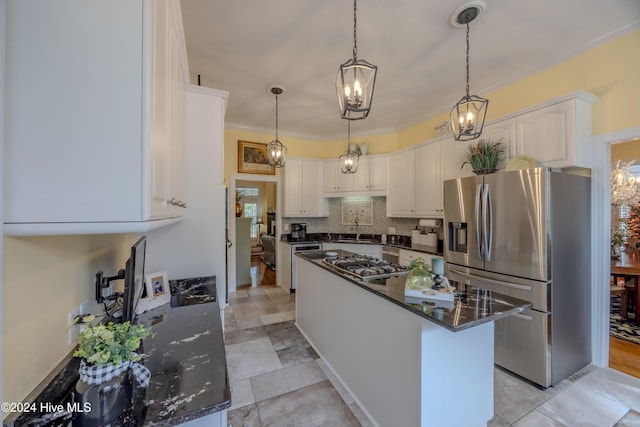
{"x":134,"y":280}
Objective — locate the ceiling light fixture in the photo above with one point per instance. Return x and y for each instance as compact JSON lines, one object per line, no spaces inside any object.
{"x":349,"y":159}
{"x":625,"y":187}
{"x":467,"y":116}
{"x":355,"y":82}
{"x":276,"y":151}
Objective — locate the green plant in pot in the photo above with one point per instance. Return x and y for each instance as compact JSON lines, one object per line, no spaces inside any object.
{"x":109,"y":355}
{"x":484,"y":156}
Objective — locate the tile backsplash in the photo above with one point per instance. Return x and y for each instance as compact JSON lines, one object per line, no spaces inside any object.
{"x":333,"y":223}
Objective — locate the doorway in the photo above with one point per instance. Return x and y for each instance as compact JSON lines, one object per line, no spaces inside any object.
{"x":260,"y":201}
{"x":624,"y":340}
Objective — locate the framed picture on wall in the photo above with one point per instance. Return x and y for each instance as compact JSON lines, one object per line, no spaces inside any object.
{"x":253,"y":158}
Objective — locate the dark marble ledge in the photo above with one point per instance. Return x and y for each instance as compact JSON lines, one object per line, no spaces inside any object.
{"x":186,"y":358}
{"x":471,"y":307}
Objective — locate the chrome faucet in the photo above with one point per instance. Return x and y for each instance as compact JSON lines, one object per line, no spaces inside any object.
{"x":357,"y":232}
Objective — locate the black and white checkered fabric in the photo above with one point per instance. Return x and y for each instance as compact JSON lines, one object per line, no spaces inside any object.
{"x":99,"y":374}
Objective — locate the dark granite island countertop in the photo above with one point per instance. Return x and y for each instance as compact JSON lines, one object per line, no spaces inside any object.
{"x":186,"y":357}
{"x":472,"y":306}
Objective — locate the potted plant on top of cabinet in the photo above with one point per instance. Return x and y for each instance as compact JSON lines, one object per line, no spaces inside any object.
{"x":484,"y":156}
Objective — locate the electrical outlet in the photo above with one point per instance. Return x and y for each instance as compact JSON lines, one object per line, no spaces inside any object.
{"x":74,"y":329}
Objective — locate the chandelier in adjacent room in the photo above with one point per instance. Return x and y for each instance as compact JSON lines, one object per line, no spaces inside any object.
{"x":467,"y":116}
{"x":355,"y":82}
{"x":276,"y":151}
{"x":625,"y":188}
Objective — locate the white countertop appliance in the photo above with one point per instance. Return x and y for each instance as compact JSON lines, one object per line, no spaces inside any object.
{"x":526,"y":233}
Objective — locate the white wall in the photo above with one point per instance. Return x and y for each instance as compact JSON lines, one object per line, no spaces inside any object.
{"x":196,"y":246}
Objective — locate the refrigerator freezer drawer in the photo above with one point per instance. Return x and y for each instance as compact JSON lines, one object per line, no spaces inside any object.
{"x":522,"y":345}
{"x":538,"y":293}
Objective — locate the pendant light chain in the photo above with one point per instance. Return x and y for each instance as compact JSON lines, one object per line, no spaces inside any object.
{"x":355,"y":27}
{"x":467,"y":60}
{"x":277,"y":114}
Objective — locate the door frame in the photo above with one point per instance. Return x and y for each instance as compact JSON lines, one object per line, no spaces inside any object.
{"x":600,"y":239}
{"x":231,"y":214}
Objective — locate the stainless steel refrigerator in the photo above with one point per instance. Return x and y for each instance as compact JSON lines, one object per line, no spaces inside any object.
{"x":526,"y":233}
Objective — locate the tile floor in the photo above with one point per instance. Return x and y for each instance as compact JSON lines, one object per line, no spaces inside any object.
{"x":277,"y":379}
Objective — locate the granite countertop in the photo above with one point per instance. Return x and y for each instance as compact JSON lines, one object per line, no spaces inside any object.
{"x":472,"y":306}
{"x":186,"y":358}
{"x":402,"y":242}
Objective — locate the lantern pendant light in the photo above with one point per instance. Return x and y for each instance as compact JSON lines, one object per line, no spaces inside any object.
{"x":355,"y":82}
{"x":276,"y":151}
{"x":349,"y":159}
{"x":467,"y":116}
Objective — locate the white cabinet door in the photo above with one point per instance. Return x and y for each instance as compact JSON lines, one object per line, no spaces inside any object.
{"x":428,"y":185}
{"x":544,"y":134}
{"x":302,"y":189}
{"x":505,"y":131}
{"x":406,"y":256}
{"x":372,"y":174}
{"x":402,"y":184}
{"x":102,"y":162}
{"x":292,"y":174}
{"x":284,"y":264}
{"x":452,"y":153}
{"x":334,"y":180}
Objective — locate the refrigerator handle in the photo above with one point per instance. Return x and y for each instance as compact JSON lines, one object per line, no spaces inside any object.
{"x":487,"y":220}
{"x":477,"y":213}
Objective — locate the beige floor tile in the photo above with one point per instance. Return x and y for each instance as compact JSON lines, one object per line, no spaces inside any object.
{"x":285,"y":380}
{"x":342,"y":391}
{"x":251,"y":358}
{"x":248,"y":323}
{"x":514,"y":398}
{"x":238,"y":335}
{"x":289,"y":306}
{"x":536,"y":418}
{"x":498,"y":421}
{"x":246,"y":416}
{"x":233,"y":296}
{"x":317,"y":405}
{"x":631,"y":419}
{"x":253,"y":309}
{"x":241,"y":394}
{"x":269,"y":319}
{"x":614,"y":385}
{"x":579,"y":406}
{"x":276,"y":290}
{"x":282,"y":298}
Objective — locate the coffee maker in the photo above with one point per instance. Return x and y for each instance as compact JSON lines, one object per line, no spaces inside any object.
{"x":298,"y":231}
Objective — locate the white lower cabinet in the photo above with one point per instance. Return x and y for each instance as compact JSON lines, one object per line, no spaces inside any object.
{"x":303,"y":195}
{"x":371,"y":250}
{"x":406,"y":256}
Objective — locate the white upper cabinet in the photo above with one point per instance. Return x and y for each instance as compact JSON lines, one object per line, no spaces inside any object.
{"x":505,"y":131}
{"x":94,"y":117}
{"x":401,"y":190}
{"x":333,"y":178}
{"x":428,"y":186}
{"x":302,"y":190}
{"x":371,"y":174}
{"x":557,"y":135}
{"x":370,"y":178}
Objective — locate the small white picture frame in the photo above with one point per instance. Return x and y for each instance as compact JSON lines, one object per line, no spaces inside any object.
{"x":158,"y":291}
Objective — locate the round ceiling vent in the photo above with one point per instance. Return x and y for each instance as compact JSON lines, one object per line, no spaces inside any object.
{"x":467,"y":12}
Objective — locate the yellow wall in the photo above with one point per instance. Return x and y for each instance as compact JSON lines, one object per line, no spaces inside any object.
{"x":626,"y":152}
{"x":609,"y":71}
{"x":45,"y":278}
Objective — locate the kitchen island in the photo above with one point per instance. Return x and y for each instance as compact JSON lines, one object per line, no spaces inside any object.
{"x":406,"y":361}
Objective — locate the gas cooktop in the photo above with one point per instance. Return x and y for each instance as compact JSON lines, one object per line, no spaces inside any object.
{"x":365,"y":267}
